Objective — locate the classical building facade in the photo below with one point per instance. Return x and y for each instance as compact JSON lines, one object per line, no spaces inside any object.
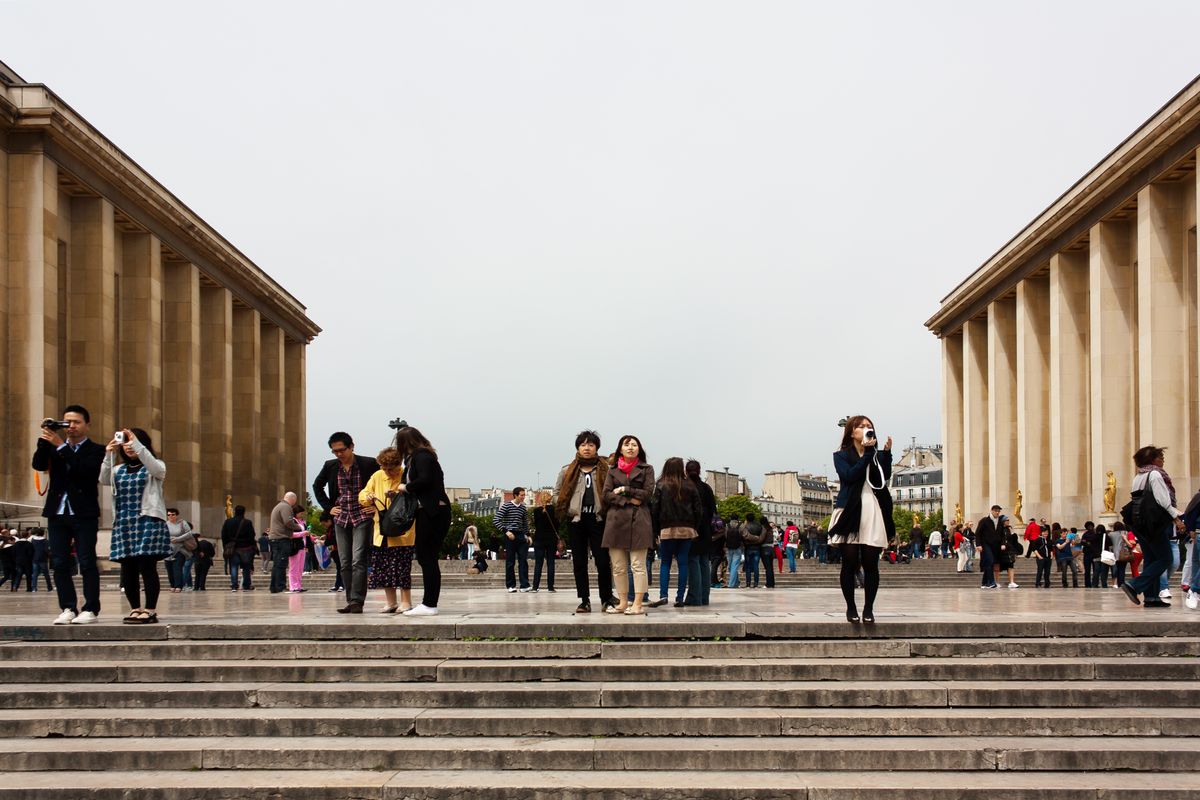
{"x":115,"y":295}
{"x":1077,"y":342}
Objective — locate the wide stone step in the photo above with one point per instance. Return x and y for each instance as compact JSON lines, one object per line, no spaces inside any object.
{"x":203,"y":721}
{"x":489,"y":672}
{"x":634,"y":693}
{"x":1159,"y":754}
{"x":657,"y":784}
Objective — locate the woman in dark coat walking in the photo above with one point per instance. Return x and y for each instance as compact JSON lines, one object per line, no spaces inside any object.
{"x":628,"y":529}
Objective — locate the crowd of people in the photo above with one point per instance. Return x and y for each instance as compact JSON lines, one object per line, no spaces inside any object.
{"x":381,"y":514}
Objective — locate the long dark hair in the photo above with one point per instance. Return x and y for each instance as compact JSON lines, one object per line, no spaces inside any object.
{"x":133,"y":462}
{"x":672,"y":476}
{"x":848,"y":430}
{"x":621,"y":443}
{"x":409,"y":440}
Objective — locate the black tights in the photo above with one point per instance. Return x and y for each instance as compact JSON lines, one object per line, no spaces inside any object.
{"x":144,"y":568}
{"x":854,"y":557}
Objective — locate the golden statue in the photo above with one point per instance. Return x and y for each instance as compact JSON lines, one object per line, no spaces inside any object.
{"x":228,"y":506}
{"x":916,"y":517}
{"x":1017,"y":507}
{"x":1110,"y":494}
{"x":958,"y":517}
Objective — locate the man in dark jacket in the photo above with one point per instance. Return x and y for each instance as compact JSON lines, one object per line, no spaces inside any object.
{"x":72,"y":510}
{"x":238,"y":547}
{"x":987,"y":535}
{"x":336,"y":490}
{"x":699,"y":585}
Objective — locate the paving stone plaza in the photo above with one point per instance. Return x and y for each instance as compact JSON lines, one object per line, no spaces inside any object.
{"x":955,"y":692}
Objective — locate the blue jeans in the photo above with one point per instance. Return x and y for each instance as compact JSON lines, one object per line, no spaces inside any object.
{"x":673,"y":550}
{"x":41,"y":568}
{"x":791,"y":554}
{"x":63,"y":530}
{"x":699,"y":583}
{"x":243,"y":560}
{"x":735,"y":564}
{"x":1164,"y":583}
{"x":516,"y":554}
{"x":822,"y":553}
{"x":1192,"y":579}
{"x":752,"y":554}
{"x":281,"y":553}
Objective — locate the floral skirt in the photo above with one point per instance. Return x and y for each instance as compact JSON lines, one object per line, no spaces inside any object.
{"x":391,"y":568}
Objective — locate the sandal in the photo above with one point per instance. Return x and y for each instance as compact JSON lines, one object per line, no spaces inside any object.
{"x":614,"y":610}
{"x":135,"y":617}
{"x":150,"y":619}
{"x":402,"y":609}
{"x":635,"y":612}
{"x":388,"y":610}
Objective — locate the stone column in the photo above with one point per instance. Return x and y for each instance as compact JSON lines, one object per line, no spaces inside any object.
{"x":216,"y":405}
{"x":276,"y":430}
{"x":32,"y":221}
{"x":139,"y":311}
{"x":182,"y":381}
{"x":296,"y":413}
{"x":247,"y":410}
{"x":1112,"y":301}
{"x":976,"y":440}
{"x":1033,"y":395}
{"x":952,"y":425}
{"x":1163,"y":322}
{"x":1002,"y":401}
{"x":1070,"y":425}
{"x":93,"y":375}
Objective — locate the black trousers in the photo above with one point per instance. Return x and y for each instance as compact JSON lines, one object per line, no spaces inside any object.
{"x":586,"y":536}
{"x":1043,"y":572}
{"x":767,"y":557}
{"x":432,"y":527}
{"x":202,"y":568}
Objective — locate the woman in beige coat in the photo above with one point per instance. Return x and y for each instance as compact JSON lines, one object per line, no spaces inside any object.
{"x":628,"y":528}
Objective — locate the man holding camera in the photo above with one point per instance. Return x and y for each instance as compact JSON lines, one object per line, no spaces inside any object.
{"x":72,"y":509}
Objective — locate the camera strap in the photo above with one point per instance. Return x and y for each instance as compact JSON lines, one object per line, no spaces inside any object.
{"x":875,"y":462}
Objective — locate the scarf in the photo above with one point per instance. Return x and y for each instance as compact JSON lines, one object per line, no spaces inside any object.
{"x":625,"y":465}
{"x":1162,"y":474}
{"x":571,"y":479}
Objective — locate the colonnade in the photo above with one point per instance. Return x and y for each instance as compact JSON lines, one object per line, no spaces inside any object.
{"x":1092,"y":354}
{"x":97,"y":309}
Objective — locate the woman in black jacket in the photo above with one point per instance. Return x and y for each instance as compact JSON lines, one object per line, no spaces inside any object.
{"x":862,"y":523}
{"x":676,"y":511}
{"x":545,"y":541}
{"x":423,"y":479}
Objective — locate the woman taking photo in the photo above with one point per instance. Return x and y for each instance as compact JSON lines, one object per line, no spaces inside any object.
{"x":139,"y":537}
{"x":391,"y":556}
{"x":424,"y":480}
{"x":676,"y":513}
{"x":862,"y":518}
{"x":628,"y":531}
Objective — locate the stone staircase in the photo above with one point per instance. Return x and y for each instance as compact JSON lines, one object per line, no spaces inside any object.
{"x":666,"y":707}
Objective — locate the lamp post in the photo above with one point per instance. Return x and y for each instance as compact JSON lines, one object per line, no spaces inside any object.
{"x":727,"y":482}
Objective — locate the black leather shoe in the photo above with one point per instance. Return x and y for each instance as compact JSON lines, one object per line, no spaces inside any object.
{"x":1154,"y":602}
{"x":1131,"y":594}
{"x":868,"y":617}
{"x":584,"y":608}
{"x":852,"y":615}
{"x":351,"y":608}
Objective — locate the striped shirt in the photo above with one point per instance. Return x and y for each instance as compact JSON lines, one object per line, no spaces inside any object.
{"x":511,"y":518}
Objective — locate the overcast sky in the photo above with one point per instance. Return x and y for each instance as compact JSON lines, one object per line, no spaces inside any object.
{"x":717,"y":225}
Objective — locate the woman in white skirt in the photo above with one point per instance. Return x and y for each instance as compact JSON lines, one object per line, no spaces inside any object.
{"x":862,"y":517}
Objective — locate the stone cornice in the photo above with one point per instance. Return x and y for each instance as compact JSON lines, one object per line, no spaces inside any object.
{"x":82,"y":150}
{"x":1160,"y":143}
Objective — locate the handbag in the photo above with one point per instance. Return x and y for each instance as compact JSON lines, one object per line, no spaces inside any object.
{"x":189,"y":544}
{"x":400,"y":516}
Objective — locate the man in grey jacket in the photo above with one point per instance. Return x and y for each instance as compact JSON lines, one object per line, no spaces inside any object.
{"x":283,"y":525}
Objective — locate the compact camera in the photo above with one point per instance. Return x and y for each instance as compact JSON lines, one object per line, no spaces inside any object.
{"x":869,"y":434}
{"x":55,"y":424}
{"x":119,"y":437}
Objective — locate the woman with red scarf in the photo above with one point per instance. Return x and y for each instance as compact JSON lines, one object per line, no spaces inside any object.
{"x":628,"y":528}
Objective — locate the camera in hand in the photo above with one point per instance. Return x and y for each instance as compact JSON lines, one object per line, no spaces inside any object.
{"x":119,"y":437}
{"x":55,"y":424}
{"x":869,"y":434}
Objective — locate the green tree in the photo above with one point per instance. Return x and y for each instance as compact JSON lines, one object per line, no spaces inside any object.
{"x":489,"y":537}
{"x":738,"y":505}
{"x":312,"y":515}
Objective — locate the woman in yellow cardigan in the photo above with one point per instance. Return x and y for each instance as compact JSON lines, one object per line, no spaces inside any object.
{"x":392,"y":557}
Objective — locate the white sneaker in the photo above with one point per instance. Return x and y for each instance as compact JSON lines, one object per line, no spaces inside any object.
{"x":421,"y":611}
{"x":512,"y":590}
{"x":85,"y":618}
{"x":1165,"y":594}
{"x":65,"y":617}
{"x":526,"y":589}
{"x":1013,"y":585}
{"x":1192,"y":600}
